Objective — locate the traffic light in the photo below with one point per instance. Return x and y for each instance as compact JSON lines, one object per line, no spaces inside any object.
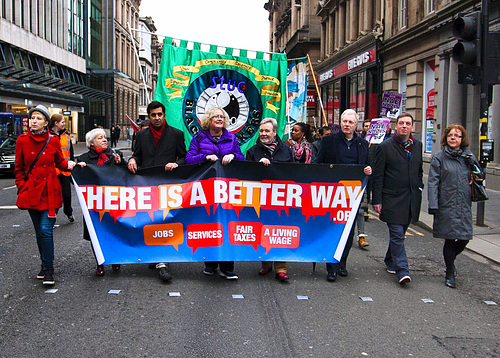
{"x":467,"y":51}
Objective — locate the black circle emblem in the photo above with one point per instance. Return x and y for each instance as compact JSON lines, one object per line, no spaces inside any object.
{"x":230,"y":90}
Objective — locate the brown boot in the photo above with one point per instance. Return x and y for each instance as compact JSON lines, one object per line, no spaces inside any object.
{"x":362,"y":241}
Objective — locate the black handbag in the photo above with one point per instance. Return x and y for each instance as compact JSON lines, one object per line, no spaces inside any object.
{"x":477,"y":184}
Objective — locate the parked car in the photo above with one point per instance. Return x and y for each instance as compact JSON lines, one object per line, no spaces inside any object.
{"x":7,"y":155}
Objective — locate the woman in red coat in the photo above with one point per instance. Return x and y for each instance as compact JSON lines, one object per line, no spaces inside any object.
{"x":39,"y":190}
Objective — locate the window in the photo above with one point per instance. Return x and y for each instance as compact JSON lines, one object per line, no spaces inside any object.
{"x":403,"y":6}
{"x":429,"y":7}
{"x":402,"y":89}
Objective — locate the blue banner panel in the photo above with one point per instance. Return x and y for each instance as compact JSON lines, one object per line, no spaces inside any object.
{"x":211,"y":212}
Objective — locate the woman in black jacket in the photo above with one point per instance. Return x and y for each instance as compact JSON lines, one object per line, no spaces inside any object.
{"x":99,"y":154}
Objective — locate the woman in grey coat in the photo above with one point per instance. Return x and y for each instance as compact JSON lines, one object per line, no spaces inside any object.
{"x":449,"y":195}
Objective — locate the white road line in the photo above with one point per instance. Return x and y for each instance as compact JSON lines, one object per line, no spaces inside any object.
{"x":8,"y":207}
{"x":9,"y":187}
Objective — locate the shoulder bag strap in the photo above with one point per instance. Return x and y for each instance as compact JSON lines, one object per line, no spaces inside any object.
{"x":37,"y":157}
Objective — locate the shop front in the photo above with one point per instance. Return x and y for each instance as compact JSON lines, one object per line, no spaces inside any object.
{"x":352,"y":82}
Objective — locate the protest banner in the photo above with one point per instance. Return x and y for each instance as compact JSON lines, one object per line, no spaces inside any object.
{"x":391,"y":102}
{"x":210,"y":212}
{"x":191,"y":81}
{"x":296,"y":81}
{"x":377,"y":130}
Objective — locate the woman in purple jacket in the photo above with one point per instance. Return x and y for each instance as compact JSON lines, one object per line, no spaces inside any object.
{"x":210,"y":144}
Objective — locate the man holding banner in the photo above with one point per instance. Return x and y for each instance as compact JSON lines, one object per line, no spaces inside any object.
{"x":270,"y":148}
{"x":344,"y":147}
{"x":158,"y":145}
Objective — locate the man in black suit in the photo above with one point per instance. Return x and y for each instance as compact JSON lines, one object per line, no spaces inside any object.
{"x":344,"y":147}
{"x":397,"y":191}
{"x":160,"y":144}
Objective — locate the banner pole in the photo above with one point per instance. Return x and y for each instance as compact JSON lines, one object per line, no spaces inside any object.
{"x":317,"y":89}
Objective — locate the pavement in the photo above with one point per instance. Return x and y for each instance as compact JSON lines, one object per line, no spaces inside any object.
{"x":486,"y":239}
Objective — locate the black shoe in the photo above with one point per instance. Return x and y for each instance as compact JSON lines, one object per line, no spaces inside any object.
{"x":343,"y":272}
{"x":48,"y":279}
{"x":164,"y":273}
{"x":450,"y":281}
{"x":331,"y":277}
{"x":209,"y":271}
{"x":229,"y":275}
{"x":41,"y":274}
{"x":71,"y":218}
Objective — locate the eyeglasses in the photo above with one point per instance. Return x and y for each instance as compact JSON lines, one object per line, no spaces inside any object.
{"x":454,"y":135}
{"x":218,"y":116}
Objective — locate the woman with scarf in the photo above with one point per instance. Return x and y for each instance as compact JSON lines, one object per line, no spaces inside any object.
{"x":99,"y":154}
{"x":38,"y":154}
{"x":300,"y":143}
{"x":449,"y":194}
{"x":212,"y":143}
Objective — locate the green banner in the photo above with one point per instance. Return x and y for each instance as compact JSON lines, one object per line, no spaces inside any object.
{"x":191,"y":81}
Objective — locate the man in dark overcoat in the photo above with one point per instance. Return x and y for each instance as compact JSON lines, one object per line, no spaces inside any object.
{"x":344,"y":147}
{"x":397,"y":191}
{"x":158,"y":145}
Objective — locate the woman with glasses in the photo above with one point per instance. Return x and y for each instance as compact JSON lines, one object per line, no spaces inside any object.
{"x":212,"y":143}
{"x":449,"y":194}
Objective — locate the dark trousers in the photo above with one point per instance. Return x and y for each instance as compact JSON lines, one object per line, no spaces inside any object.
{"x":395,"y":258}
{"x":223,"y":265}
{"x":66,"y":193}
{"x":451,"y":249}
{"x":44,"y":229}
{"x":336,"y":267}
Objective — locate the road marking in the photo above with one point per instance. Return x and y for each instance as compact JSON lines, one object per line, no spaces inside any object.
{"x":9,"y":187}
{"x":415,"y":231}
{"x":8,"y":207}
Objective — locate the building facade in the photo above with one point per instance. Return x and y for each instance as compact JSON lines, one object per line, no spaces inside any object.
{"x":43,"y":61}
{"x":149,"y":56}
{"x":405,"y":46}
{"x":349,"y":69}
{"x":126,"y":64}
{"x":295,"y":30}
{"x":416,"y":52}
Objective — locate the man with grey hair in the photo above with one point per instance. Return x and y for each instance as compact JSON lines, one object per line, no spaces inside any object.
{"x":270,"y":148}
{"x":344,"y":147}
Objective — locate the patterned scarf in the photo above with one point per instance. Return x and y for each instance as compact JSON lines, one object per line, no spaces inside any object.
{"x":103,"y":158}
{"x":406,"y":145}
{"x":271,"y":147}
{"x":157,"y":133}
{"x":39,"y":133}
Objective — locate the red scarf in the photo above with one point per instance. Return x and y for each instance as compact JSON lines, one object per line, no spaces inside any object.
{"x":157,"y":133}
{"x":103,"y":158}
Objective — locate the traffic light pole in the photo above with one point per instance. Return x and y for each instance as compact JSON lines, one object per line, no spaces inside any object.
{"x":485,"y":100}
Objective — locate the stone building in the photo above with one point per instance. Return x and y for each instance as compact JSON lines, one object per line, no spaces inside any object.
{"x":43,"y":61}
{"x":126,"y":80}
{"x":371,"y":46}
{"x":149,"y":55}
{"x":295,"y":30}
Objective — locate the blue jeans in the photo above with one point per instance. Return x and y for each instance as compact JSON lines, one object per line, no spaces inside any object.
{"x":395,"y":258}
{"x":44,"y":228}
